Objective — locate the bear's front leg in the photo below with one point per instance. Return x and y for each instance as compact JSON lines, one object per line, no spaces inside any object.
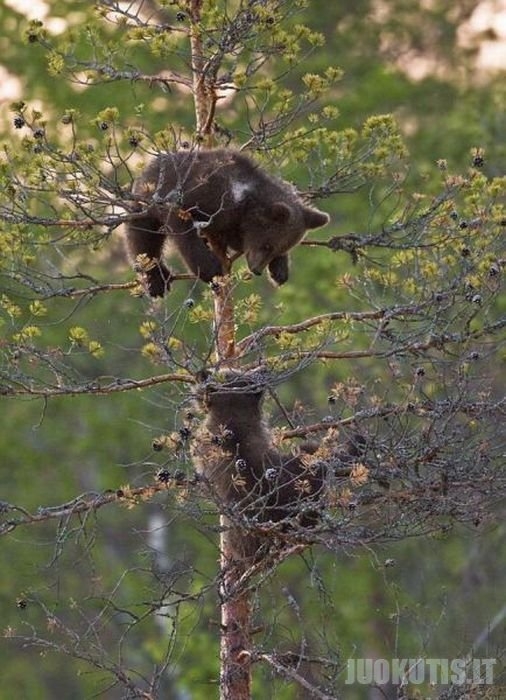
{"x":278,"y":269}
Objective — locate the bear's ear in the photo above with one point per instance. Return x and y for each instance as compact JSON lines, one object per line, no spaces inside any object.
{"x":314,"y":218}
{"x":280,"y":212}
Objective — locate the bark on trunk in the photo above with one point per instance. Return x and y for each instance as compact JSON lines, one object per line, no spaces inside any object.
{"x":235,"y":658}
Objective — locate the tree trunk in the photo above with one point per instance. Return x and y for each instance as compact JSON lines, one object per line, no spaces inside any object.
{"x":204,"y":95}
{"x":235,"y":657}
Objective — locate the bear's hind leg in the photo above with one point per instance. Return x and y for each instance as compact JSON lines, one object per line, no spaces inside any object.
{"x":144,"y":237}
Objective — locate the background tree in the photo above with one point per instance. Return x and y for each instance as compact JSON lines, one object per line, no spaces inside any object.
{"x":398,"y":333}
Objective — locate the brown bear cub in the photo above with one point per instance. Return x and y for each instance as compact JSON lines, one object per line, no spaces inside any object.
{"x":208,"y":204}
{"x":233,"y":451}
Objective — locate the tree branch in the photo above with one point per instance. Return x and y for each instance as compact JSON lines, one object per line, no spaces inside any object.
{"x":85,"y":503}
{"x":94,"y":387}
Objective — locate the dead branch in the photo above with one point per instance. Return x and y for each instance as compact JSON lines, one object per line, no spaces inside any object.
{"x":94,"y":387}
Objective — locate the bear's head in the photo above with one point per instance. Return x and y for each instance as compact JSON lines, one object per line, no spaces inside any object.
{"x":272,"y":230}
{"x":238,"y":397}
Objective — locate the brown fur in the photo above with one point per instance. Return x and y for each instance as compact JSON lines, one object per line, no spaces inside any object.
{"x":194,"y":198}
{"x":234,"y":452}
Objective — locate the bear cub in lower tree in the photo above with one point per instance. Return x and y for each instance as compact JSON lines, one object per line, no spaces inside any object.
{"x":233,"y":450}
{"x":208,"y":203}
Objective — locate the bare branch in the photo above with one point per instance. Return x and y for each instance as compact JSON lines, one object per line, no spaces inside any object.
{"x":85,"y":503}
{"x":97,"y":387}
{"x":291,"y":674}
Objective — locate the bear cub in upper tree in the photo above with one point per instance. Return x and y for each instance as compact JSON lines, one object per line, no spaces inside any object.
{"x":193,"y":198}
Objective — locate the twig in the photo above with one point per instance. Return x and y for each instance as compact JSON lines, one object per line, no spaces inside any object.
{"x":293,"y":675}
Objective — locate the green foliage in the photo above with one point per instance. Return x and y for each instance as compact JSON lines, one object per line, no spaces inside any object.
{"x":392,"y":321}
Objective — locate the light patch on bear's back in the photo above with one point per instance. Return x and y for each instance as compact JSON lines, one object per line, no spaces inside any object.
{"x":239,"y":190}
